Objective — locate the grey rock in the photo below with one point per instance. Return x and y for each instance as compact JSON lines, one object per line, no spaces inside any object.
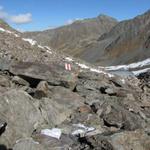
{"x":62,"y":104}
{"x":90,"y":76}
{"x":96,"y":142}
{"x":54,"y":74}
{"x":22,"y":117}
{"x":42,"y":90}
{"x":138,"y":140}
{"x":64,"y":143}
{"x":4,"y":64}
{"x":4,"y":81}
{"x":28,"y":144}
{"x":20,"y":81}
{"x":116,"y":116}
{"x":110,"y":91}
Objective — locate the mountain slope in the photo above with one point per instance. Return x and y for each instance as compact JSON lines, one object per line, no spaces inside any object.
{"x":127,"y":42}
{"x":71,"y":38}
{"x":15,"y":48}
{"x":102,"y":40}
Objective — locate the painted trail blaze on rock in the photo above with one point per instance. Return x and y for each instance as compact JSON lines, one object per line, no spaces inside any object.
{"x":68,"y":66}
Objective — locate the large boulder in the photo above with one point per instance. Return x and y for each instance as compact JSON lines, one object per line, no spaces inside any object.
{"x":54,"y":74}
{"x":20,"y":114}
{"x":60,"y":106}
{"x":130,"y":140}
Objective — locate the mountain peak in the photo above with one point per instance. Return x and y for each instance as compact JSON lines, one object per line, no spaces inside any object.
{"x":103,"y":16}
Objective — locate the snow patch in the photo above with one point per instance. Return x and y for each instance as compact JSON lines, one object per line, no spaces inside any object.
{"x":123,"y":81}
{"x":49,"y":52}
{"x":47,"y":48}
{"x":39,"y":46}
{"x":100,"y":71}
{"x":3,"y":30}
{"x":130,"y":66}
{"x":69,"y":59}
{"x":16,"y":35}
{"x":31,"y":41}
{"x":9,"y":32}
{"x":83,"y":66}
{"x":140,"y":71}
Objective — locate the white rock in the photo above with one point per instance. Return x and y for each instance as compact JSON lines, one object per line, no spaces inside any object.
{"x":82,"y":129}
{"x":55,"y":132}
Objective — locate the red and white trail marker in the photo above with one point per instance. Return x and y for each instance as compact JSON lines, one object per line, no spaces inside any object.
{"x":67,"y":66}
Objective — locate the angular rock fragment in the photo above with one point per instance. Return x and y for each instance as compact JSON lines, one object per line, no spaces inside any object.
{"x":41,"y":90}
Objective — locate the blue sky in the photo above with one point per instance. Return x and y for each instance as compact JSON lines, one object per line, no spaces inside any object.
{"x":31,"y":15}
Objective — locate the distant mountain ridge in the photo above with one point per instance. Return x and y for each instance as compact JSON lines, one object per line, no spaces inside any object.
{"x":127,"y":42}
{"x":71,"y":38}
{"x":101,"y":40}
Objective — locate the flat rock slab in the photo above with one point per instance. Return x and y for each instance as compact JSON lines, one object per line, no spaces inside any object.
{"x":54,"y":74}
